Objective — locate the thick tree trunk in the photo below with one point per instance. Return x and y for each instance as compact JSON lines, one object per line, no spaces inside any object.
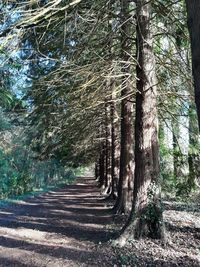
{"x":146,"y":215}
{"x":193,"y":11}
{"x":123,"y":203}
{"x":147,"y":208}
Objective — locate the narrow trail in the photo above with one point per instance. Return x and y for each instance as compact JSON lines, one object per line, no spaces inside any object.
{"x":59,"y":228}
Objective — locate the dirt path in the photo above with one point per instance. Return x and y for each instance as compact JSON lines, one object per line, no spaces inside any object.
{"x":55,"y":229}
{"x":65,"y":227}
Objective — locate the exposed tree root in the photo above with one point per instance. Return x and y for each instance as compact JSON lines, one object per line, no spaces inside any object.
{"x":137,"y":229}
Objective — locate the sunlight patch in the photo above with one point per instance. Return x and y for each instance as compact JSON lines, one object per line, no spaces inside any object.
{"x":23,"y":233}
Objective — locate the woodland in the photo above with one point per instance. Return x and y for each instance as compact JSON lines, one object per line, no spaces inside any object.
{"x":99,"y":133}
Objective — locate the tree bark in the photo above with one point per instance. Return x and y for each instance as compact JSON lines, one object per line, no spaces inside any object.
{"x":102,"y":168}
{"x":193,"y":11}
{"x":146,"y":215}
{"x":147,"y":208}
{"x":108,"y":184}
{"x":114,"y":147}
{"x":125,"y":188}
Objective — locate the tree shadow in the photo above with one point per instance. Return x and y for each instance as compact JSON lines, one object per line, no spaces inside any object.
{"x":184,"y":229}
{"x":6,"y":262}
{"x":63,"y":215}
{"x":75,"y":212}
{"x":177,"y":206}
{"x":184,"y":261}
{"x":69,"y":253}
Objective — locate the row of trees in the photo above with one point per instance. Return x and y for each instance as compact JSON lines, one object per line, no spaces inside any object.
{"x":102,"y":74}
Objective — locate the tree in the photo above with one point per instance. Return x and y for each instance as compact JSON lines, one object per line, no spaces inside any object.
{"x":146,"y":215}
{"x":193,"y":10}
{"x":146,"y":186}
{"x":125,"y":188}
{"x":193,"y":153}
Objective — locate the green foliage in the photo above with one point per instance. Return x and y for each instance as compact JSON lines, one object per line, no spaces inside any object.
{"x":125,"y":259}
{"x":182,"y":184}
{"x":5,"y":98}
{"x":183,"y":189}
{"x":5,"y":123}
{"x":20,"y":175}
{"x":20,"y":170}
{"x":153,"y":214}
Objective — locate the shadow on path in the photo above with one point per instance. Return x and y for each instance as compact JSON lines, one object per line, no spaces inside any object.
{"x":58,"y":228}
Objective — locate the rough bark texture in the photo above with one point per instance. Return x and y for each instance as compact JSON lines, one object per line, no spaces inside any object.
{"x":123,"y":204}
{"x":146,"y":215}
{"x":193,"y":11}
{"x":147,"y":210}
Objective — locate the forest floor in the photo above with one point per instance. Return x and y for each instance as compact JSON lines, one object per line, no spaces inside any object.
{"x":72,"y":227}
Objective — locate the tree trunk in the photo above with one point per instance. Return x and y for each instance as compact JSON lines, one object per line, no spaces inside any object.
{"x":176,"y":149}
{"x":108,"y":187}
{"x":123,"y":203}
{"x":147,"y":208}
{"x":193,"y":11}
{"x":97,"y":171}
{"x":146,"y":215}
{"x":102,"y":168}
{"x":114,"y":147}
{"x":193,"y":154}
